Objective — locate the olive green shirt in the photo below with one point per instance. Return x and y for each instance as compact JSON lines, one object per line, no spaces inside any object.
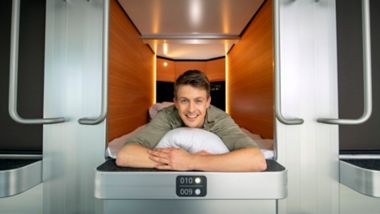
{"x":217,"y":122}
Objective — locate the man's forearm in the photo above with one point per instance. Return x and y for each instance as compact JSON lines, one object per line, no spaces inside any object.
{"x":243,"y":160}
{"x":134,"y":155}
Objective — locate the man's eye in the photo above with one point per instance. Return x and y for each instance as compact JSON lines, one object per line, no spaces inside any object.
{"x":199,"y":101}
{"x":183,"y":101}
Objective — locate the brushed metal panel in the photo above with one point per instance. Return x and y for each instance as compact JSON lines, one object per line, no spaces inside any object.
{"x":17,"y":180}
{"x":309,"y":91}
{"x":365,"y":180}
{"x":190,"y":206}
{"x":148,"y":184}
{"x":28,"y":202}
{"x":353,"y":202}
{"x":73,"y":63}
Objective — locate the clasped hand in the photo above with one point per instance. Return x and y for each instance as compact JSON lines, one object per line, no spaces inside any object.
{"x":173,"y":158}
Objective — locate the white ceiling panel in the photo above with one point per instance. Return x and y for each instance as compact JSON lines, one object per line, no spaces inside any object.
{"x":167,"y":19}
{"x":191,"y":48}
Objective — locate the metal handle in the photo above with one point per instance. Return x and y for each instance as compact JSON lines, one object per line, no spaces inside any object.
{"x":103,"y":111}
{"x":366,"y":31}
{"x":13,"y":73}
{"x":279,"y":116}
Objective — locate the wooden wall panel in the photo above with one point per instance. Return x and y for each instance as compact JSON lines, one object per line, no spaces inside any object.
{"x":131,"y":65}
{"x":165,"y":73}
{"x":251,"y":74}
{"x":182,"y":66}
{"x":216,"y":70}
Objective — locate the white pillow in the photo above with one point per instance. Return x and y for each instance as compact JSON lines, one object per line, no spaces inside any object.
{"x":193,"y":140}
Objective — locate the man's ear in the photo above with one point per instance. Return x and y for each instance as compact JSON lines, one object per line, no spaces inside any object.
{"x":175,"y":102}
{"x":208,"y":101}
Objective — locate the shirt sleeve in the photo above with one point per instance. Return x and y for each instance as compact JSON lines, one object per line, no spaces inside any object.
{"x":150,"y":135}
{"x":232,"y":136}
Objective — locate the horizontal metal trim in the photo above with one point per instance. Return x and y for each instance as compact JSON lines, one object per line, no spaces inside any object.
{"x":18,"y":180}
{"x":359,"y":151}
{"x":359,"y":156}
{"x":20,"y":156}
{"x":362,"y":180}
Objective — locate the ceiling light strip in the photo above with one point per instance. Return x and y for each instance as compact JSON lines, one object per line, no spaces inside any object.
{"x":198,"y":36}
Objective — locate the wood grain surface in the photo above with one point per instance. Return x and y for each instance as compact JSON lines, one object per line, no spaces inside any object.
{"x":131,"y":75}
{"x":251,"y":73}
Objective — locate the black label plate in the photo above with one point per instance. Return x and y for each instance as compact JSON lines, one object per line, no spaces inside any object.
{"x":191,"y":185}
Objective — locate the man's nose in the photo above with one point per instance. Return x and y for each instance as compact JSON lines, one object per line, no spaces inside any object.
{"x":192,"y":107}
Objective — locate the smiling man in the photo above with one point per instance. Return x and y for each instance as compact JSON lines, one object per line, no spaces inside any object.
{"x":192,"y":109}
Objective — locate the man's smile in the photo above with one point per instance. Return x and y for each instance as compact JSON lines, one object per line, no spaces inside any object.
{"x":192,"y":116}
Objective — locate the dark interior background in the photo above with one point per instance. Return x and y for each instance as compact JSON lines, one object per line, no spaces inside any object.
{"x":365,"y":137}
{"x":18,"y":138}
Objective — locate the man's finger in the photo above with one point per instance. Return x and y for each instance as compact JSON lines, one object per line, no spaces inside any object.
{"x":165,"y":150}
{"x":166,"y":167}
{"x":159,"y":159}
{"x":159,"y":154}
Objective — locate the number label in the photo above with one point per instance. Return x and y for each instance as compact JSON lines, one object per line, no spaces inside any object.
{"x":191,"y":186}
{"x":186,"y":180}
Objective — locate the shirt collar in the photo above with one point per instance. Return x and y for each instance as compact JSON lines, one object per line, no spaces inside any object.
{"x":210,"y":117}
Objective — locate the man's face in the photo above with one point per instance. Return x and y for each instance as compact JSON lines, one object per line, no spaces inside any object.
{"x":192,"y":104}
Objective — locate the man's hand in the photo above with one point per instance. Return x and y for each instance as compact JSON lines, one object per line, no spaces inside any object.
{"x":172,"y":158}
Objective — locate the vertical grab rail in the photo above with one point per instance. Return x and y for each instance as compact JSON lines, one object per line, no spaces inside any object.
{"x":367,"y":78}
{"x":13,"y":73}
{"x":279,"y":116}
{"x":103,"y":111}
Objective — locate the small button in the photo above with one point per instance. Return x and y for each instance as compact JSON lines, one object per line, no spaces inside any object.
{"x":197,"y":180}
{"x":197,"y":191}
